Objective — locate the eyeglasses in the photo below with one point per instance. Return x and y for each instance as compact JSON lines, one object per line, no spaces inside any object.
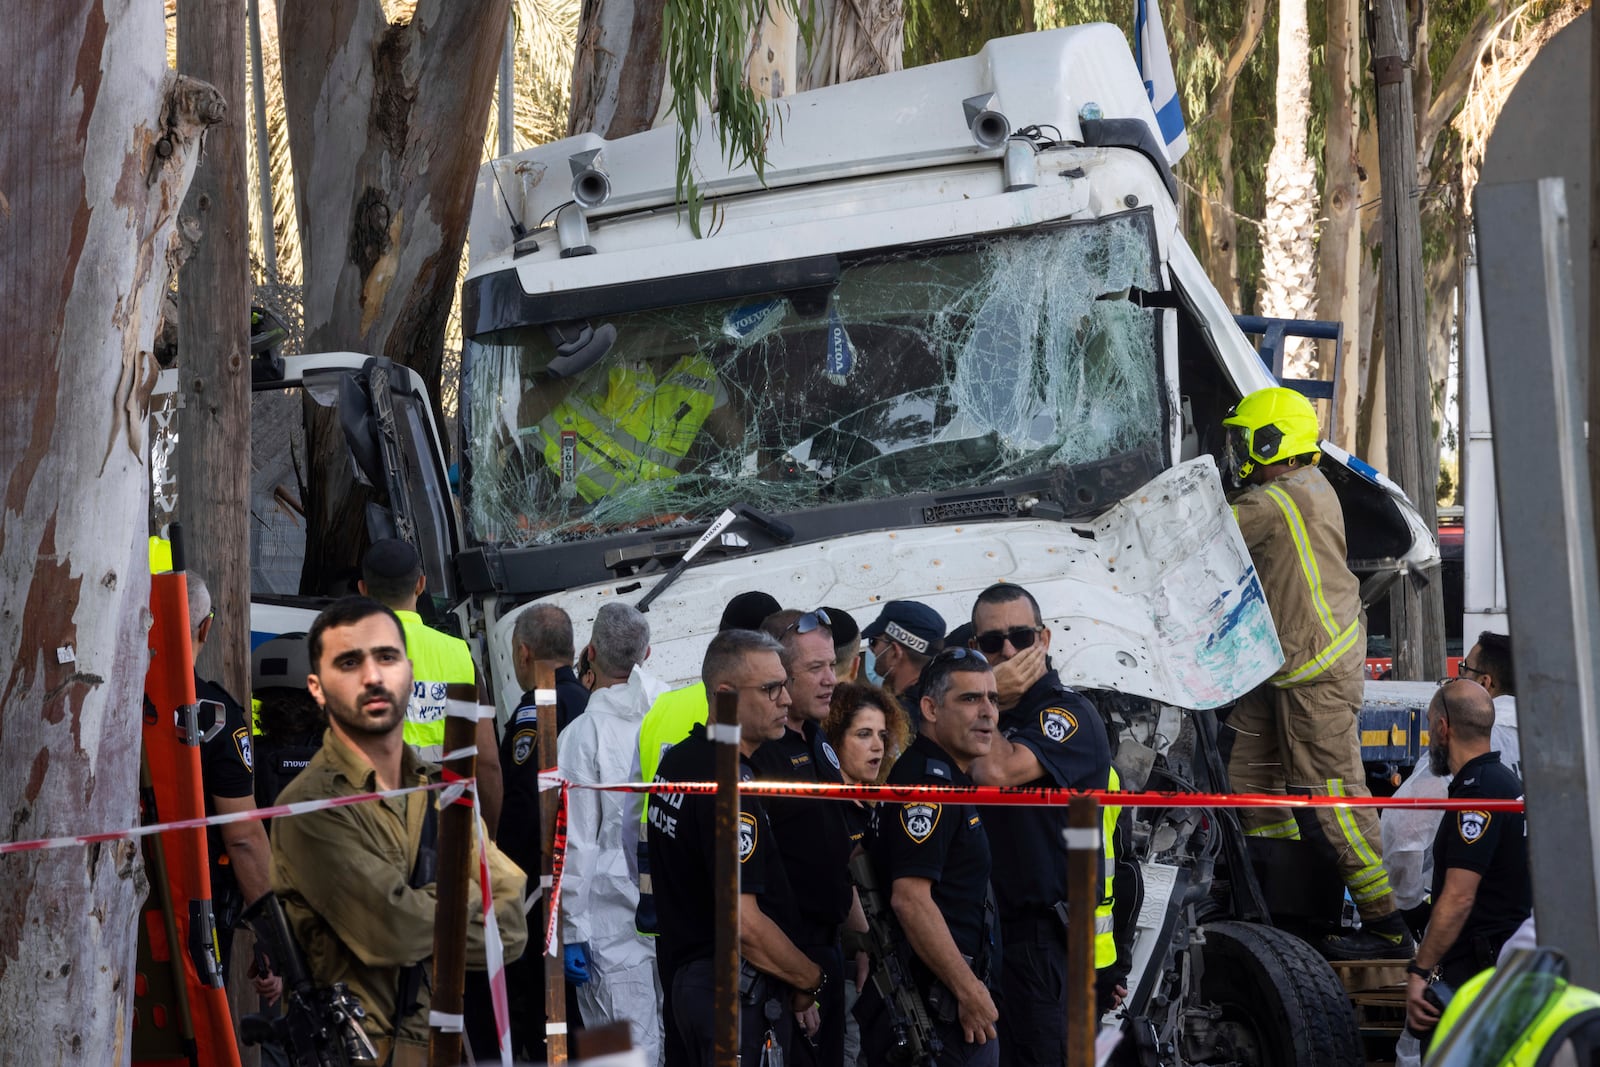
{"x":770,"y":690}
{"x":958,"y":654}
{"x":808,"y":622}
{"x":1021,"y":637}
{"x":1467,"y":668}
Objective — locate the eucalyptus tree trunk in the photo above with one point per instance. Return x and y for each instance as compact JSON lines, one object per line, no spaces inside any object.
{"x":386,"y":126}
{"x":1220,"y":249}
{"x":853,"y":39}
{"x":90,"y":210}
{"x":1339,"y":246}
{"x":619,"y":71}
{"x":1288,"y":238}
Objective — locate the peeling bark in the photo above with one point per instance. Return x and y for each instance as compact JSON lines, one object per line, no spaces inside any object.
{"x":1288,"y":256}
{"x":385,"y":124}
{"x":1339,"y":244}
{"x":852,"y":39}
{"x":112,"y":139}
{"x":619,"y":72}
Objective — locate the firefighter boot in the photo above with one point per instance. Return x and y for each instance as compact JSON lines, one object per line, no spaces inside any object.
{"x":1381,"y":939}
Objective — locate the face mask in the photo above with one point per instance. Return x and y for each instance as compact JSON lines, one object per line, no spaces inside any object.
{"x":869,"y":665}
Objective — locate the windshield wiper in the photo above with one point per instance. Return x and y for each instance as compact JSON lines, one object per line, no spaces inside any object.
{"x":780,"y":531}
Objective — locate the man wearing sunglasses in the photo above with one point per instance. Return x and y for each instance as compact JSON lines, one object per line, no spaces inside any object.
{"x":1297,"y":732}
{"x":1049,"y":736}
{"x":935,"y":858}
{"x":1408,"y":832}
{"x":812,"y":837}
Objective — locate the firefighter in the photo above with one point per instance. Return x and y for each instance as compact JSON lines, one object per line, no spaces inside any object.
{"x":1298,"y":732}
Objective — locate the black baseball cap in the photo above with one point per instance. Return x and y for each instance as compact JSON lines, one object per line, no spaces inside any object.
{"x":910,"y":623}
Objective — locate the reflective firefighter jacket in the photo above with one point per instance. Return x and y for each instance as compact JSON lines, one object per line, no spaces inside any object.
{"x":1294,"y":529}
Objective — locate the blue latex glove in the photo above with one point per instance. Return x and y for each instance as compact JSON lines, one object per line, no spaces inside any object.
{"x":575,"y":962}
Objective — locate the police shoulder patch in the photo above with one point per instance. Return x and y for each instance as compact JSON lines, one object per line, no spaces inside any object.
{"x":1471,"y":825}
{"x":241,"y":741}
{"x":1058,"y":724}
{"x":522,"y":746}
{"x":747,"y":835}
{"x":833,"y":757}
{"x":919,"y":820}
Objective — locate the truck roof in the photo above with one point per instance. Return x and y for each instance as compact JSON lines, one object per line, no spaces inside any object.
{"x":904,"y":120}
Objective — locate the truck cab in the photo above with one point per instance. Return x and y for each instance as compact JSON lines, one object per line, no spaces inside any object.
{"x":951,"y":335}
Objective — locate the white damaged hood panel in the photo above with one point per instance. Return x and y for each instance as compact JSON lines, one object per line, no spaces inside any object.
{"x":1156,"y":598}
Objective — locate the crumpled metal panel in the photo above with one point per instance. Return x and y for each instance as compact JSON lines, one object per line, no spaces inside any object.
{"x":1157,"y":598}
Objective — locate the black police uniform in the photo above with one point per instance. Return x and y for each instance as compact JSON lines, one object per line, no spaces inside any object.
{"x":1068,"y":736}
{"x":227,"y":769}
{"x":1495,"y":845}
{"x":947,"y":844}
{"x":814,"y":843}
{"x":681,"y":836}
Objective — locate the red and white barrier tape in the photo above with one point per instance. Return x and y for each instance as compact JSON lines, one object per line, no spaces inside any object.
{"x":1007,"y":796}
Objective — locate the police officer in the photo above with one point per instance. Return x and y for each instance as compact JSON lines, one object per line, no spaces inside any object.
{"x":812,"y":836}
{"x":779,"y":985}
{"x":1050,"y":736}
{"x":902,"y":639}
{"x":1481,"y":886}
{"x":935,"y":857}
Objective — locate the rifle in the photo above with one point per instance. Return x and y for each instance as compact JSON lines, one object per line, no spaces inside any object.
{"x":913,"y":1040}
{"x":320,"y":1025}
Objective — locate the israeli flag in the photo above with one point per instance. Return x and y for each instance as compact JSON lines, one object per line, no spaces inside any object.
{"x":1155,"y":67}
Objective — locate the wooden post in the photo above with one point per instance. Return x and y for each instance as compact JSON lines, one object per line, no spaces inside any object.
{"x":213,"y":454}
{"x":555,"y":979}
{"x":1416,"y":611}
{"x":1083,"y":893}
{"x":456,"y":833}
{"x":725,"y":882}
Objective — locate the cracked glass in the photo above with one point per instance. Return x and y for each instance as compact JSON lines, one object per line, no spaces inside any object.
{"x":920,"y":370}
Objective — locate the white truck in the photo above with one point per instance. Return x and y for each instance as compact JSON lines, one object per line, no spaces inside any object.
{"x":955,"y":336}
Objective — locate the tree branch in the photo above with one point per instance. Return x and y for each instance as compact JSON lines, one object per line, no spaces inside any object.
{"x":1255,"y":21}
{"x":1458,"y":78}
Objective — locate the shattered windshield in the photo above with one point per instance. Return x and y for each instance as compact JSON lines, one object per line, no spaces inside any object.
{"x":919,"y":370}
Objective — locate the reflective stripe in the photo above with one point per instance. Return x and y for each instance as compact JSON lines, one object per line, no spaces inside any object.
{"x":1372,"y":881}
{"x":1308,"y":558}
{"x":1105,"y":941}
{"x":1321,"y":661}
{"x":1287,"y":830}
{"x":637,"y":430}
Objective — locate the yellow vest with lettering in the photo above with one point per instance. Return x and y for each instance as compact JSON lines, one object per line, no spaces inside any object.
{"x":437,"y":660}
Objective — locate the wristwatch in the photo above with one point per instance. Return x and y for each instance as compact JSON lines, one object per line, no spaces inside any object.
{"x":1427,"y":974}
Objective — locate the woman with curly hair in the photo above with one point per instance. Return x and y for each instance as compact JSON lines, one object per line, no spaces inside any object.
{"x":868,"y":730}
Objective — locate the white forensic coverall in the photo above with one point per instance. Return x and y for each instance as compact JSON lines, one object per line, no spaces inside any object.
{"x":1408,"y":832}
{"x":600,"y":882}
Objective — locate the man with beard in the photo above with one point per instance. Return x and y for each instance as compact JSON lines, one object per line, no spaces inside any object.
{"x":352,"y":878}
{"x":1481,"y":886}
